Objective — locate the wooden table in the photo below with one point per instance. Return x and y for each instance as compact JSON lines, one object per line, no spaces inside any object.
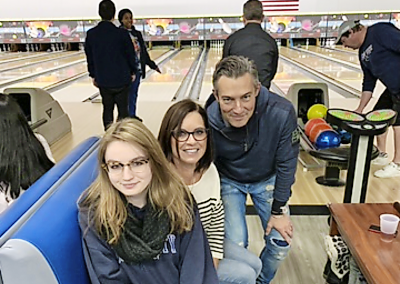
{"x":378,"y":259}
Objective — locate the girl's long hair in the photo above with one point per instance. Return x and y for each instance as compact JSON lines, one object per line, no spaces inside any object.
{"x":166,"y":192}
{"x":23,"y":159}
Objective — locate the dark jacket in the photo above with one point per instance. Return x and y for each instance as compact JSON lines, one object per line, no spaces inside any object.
{"x":186,"y":259}
{"x":254,"y":43}
{"x":380,"y":57}
{"x":110,"y":56}
{"x":144,"y":55}
{"x":268,"y":145}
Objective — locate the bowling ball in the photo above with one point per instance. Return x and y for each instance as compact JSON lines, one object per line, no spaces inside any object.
{"x":317,"y":129}
{"x":310,"y":124}
{"x":317,"y":111}
{"x":327,"y":139}
{"x":345,"y":137}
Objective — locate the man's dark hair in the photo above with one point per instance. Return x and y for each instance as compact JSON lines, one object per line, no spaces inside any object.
{"x":253,"y":10}
{"x":107,"y":10}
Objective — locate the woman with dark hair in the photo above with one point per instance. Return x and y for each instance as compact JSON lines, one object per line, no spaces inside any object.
{"x":185,"y":140}
{"x":125,"y":17}
{"x":139,"y":221}
{"x":24,"y":156}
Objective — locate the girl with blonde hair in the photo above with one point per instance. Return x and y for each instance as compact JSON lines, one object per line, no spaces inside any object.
{"x":139,"y":222}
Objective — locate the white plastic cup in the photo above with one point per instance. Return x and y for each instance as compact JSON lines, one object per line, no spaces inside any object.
{"x":389,"y":223}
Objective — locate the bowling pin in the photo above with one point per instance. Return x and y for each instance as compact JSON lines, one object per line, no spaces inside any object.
{"x":225,"y":27}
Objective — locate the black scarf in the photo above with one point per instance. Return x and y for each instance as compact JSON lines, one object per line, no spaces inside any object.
{"x":142,"y":239}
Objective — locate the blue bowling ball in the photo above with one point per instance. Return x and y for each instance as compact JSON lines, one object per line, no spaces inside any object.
{"x":328,"y":139}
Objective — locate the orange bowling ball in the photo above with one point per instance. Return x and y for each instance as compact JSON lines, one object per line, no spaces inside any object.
{"x":317,"y":129}
{"x":311,"y":123}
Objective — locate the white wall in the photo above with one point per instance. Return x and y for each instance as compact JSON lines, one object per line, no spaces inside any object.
{"x":76,"y":9}
{"x":348,"y":5}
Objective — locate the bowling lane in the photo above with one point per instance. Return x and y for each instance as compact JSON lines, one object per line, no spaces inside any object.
{"x":288,"y":75}
{"x":331,"y":69}
{"x":22,"y":62}
{"x":48,"y":79}
{"x":162,"y":87}
{"x":12,"y":74}
{"x":214,"y":56}
{"x":83,"y":89}
{"x":341,"y":47}
{"x":16,"y":55}
{"x":352,"y":58}
{"x":156,"y":93}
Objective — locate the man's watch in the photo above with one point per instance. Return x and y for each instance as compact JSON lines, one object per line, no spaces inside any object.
{"x":283,"y":210}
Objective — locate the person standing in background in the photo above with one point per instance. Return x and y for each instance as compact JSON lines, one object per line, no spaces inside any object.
{"x":254,"y":43}
{"x":111,"y":63}
{"x":379,"y":54}
{"x":125,"y":17}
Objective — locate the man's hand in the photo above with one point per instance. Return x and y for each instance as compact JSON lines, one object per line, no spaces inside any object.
{"x":216,"y":263}
{"x":364,"y":100}
{"x":94,"y":82}
{"x":283,"y":225}
{"x":133,"y":77}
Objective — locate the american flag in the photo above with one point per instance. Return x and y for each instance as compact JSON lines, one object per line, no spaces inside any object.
{"x":280,"y":5}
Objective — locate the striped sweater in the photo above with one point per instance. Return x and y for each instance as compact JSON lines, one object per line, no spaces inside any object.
{"x":207,"y":193}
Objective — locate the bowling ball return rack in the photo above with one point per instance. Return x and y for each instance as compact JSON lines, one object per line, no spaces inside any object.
{"x":356,"y":158}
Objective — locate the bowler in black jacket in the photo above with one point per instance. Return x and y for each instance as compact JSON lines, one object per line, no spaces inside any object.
{"x":254,"y":43}
{"x":111,"y":63}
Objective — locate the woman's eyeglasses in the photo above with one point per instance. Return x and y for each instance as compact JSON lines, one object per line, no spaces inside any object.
{"x":199,"y":134}
{"x":116,"y":168}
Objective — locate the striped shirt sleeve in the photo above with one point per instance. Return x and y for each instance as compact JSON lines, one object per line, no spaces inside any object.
{"x":207,"y":193}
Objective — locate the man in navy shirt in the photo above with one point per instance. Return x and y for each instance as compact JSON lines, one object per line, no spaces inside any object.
{"x":379,"y":54}
{"x":256,"y":145}
{"x":111,"y":63}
